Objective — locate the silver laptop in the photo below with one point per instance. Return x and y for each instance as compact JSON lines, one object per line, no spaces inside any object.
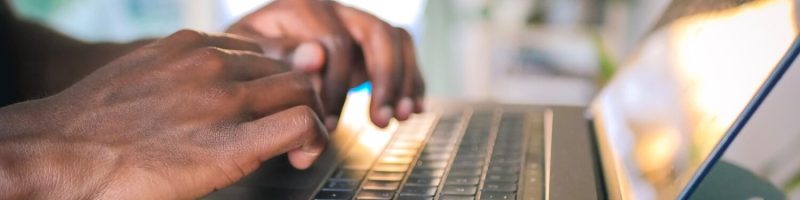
{"x":654,"y":132}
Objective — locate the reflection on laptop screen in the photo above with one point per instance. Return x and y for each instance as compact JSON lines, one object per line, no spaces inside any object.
{"x":669,"y":106}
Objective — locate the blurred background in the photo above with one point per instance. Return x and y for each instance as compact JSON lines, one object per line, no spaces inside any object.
{"x":531,"y":51}
{"x":557,"y":52}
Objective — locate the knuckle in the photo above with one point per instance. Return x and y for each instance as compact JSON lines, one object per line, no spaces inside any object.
{"x":221,"y":96}
{"x":302,"y":83}
{"x":213,"y":58}
{"x":380,"y":28}
{"x":236,"y":93}
{"x":403,"y":32}
{"x":307,"y":119}
{"x":337,"y":41}
{"x":192,"y":36}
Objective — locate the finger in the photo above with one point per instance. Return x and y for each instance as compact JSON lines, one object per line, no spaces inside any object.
{"x":231,"y":64}
{"x":233,"y":42}
{"x":189,"y":39}
{"x":248,"y":65}
{"x":413,"y":83}
{"x":296,"y":130}
{"x":308,"y":56}
{"x":272,"y":94}
{"x":406,"y":104}
{"x":383,"y":53}
{"x":338,"y":53}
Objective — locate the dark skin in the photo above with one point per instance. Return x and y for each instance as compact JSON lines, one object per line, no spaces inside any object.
{"x":194,"y":112}
{"x":339,"y":46}
{"x":343,"y":47}
{"x":198,"y":115}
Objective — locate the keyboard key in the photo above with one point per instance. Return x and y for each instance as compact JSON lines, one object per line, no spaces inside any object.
{"x":418,"y":181}
{"x":375,"y":194}
{"x":381,"y":185}
{"x":468,"y":159}
{"x":459,"y":190}
{"x":498,"y":195}
{"x":465,"y":172}
{"x":501,"y":169}
{"x":441,"y":144}
{"x":414,"y":198}
{"x":472,"y":148}
{"x":506,"y":162}
{"x":439,"y":149}
{"x":472,"y":157}
{"x":404,"y":145}
{"x":427,"y":173}
{"x":400,"y":152}
{"x":358,"y":162}
{"x":506,"y":154}
{"x":411,"y":138}
{"x":466,"y":153}
{"x":418,"y":191}
{"x":432,"y":157}
{"x":496,"y":164}
{"x":340,"y":185}
{"x":454,"y":197}
{"x":393,"y":159}
{"x":501,"y":159}
{"x":334,"y":195}
{"x":422,"y":164}
{"x":460,"y":164}
{"x":390,"y":168}
{"x":463,"y":180}
{"x":500,"y":187}
{"x":385,"y":176}
{"x":502,"y":177}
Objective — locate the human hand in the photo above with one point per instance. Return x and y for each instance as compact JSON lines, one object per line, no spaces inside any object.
{"x":176,"y":119}
{"x":343,"y":47}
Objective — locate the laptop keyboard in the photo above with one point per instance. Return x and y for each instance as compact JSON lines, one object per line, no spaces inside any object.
{"x":480,"y":159}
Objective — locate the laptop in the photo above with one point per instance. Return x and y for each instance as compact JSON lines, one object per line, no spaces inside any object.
{"x":653,"y":132}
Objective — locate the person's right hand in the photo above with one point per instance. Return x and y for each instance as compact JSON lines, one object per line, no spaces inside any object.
{"x":176,"y":119}
{"x":341,"y":47}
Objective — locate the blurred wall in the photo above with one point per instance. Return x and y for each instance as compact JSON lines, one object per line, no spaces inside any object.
{"x":124,"y":20}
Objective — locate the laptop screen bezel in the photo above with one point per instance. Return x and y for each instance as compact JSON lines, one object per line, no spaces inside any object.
{"x":615,"y":187}
{"x":608,"y":168}
{"x":743,"y":118}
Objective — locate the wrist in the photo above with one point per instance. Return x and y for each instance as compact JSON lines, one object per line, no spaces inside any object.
{"x":37,"y":161}
{"x":17,"y":124}
{"x":24,"y":118}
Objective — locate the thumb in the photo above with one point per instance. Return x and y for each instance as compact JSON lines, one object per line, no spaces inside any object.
{"x":308,"y":57}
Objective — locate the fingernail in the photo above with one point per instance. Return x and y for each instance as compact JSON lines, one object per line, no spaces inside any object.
{"x":331,"y":122}
{"x":304,"y":158}
{"x":405,"y":107}
{"x":306,"y":57}
{"x":300,"y":61}
{"x":308,"y":151}
{"x":385,"y":114}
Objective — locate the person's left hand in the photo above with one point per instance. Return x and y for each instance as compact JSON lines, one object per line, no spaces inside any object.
{"x":341,"y":47}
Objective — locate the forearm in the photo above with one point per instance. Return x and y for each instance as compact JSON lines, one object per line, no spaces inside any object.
{"x":49,"y":61}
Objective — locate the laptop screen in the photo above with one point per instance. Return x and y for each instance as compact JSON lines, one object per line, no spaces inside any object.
{"x":669,"y":106}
